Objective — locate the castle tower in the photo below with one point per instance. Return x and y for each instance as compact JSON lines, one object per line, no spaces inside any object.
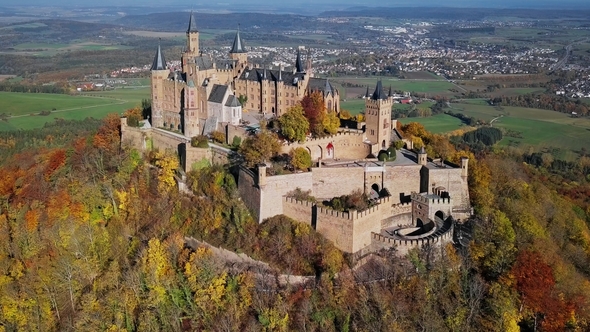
{"x":279,"y":93}
{"x":159,"y":73}
{"x":238,"y":52}
{"x":265,"y":93}
{"x":191,"y":111}
{"x":464,"y":166}
{"x":378,"y":119}
{"x":308,"y":68}
{"x":422,"y":157}
{"x":299,"y":63}
{"x":192,"y":36}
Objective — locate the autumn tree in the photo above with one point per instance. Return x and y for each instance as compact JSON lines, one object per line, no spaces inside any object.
{"x":260,"y":147}
{"x":300,"y":158}
{"x":314,"y":110}
{"x":134,"y":116}
{"x":294,"y":124}
{"x":331,"y":123}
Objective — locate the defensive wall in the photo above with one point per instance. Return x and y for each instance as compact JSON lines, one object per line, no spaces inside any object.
{"x":380,"y":241}
{"x":349,"y":231}
{"x":347,"y":144}
{"x":147,"y":139}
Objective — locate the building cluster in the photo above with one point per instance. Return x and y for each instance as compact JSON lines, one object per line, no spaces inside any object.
{"x":206,"y":92}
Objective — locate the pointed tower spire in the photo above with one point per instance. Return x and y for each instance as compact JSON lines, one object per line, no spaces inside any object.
{"x":192,"y":24}
{"x":159,"y":62}
{"x":390,"y":94}
{"x":238,"y":45}
{"x":378,"y":94}
{"x":328,"y":88}
{"x":280,"y":72}
{"x":299,"y":62}
{"x":367,"y":95}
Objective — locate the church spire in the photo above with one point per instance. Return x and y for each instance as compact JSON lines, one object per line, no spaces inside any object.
{"x":192,"y":25}
{"x":299,"y":63}
{"x":238,"y":45}
{"x":159,"y":62}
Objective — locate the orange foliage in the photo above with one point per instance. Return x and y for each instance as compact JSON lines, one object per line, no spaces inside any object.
{"x":32,"y":220}
{"x":58,"y":207}
{"x":535,"y":284}
{"x":7,"y":179}
{"x":314,"y":110}
{"x":108,"y":136}
{"x":56,"y":160}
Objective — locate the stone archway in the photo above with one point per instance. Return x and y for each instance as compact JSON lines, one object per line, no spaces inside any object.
{"x":440,"y":215}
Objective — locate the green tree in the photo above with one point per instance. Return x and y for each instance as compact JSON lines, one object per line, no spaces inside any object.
{"x":294,"y":125}
{"x":300,"y":158}
{"x":260,"y":148}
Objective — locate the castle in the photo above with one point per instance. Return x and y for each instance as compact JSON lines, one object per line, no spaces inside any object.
{"x":415,"y":200}
{"x":203,"y":94}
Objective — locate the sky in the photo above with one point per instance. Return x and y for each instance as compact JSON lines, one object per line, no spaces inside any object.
{"x":338,"y":4}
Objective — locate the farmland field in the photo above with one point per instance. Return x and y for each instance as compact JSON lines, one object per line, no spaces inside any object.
{"x":524,"y":126}
{"x":25,"y":107}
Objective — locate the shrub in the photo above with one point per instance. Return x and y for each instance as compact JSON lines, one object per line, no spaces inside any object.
{"x":218,"y":137}
{"x":236,"y":142}
{"x":200,"y":142}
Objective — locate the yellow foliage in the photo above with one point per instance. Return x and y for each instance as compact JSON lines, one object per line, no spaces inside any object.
{"x":168,"y":164}
{"x":123,"y":199}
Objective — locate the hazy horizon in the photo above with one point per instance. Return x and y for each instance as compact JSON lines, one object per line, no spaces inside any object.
{"x":337,"y":5}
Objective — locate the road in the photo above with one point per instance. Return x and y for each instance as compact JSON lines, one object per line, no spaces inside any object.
{"x":568,"y":52}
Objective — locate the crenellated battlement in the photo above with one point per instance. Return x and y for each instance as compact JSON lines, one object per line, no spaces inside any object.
{"x":430,"y":200}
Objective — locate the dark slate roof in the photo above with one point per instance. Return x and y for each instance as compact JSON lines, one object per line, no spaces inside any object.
{"x":256,"y":74}
{"x":192,"y":24}
{"x":225,"y":63}
{"x":378,"y":94}
{"x":422,"y":151}
{"x":238,"y":45}
{"x":232,"y":101}
{"x":217,"y":93}
{"x":390,"y":94}
{"x":159,"y":61}
{"x":204,"y":62}
{"x":367,"y":95}
{"x":299,"y":63}
{"x":320,"y":84}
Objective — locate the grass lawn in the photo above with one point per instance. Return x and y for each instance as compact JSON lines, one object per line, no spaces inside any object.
{"x":95,"y":104}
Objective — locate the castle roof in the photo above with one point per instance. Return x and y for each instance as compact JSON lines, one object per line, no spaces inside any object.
{"x":238,"y":45}
{"x":203,"y":62}
{"x":217,"y":93}
{"x":299,"y":63}
{"x":367,"y":95}
{"x":192,"y":25}
{"x":321,"y":84}
{"x":159,"y":62}
{"x":378,"y":94}
{"x":257,"y":74}
{"x":232,"y":101}
{"x":225,"y":63}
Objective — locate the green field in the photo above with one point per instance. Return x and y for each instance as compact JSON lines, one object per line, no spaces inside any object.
{"x":25,"y":107}
{"x":356,"y":106}
{"x":527,"y":126}
{"x":425,"y":86}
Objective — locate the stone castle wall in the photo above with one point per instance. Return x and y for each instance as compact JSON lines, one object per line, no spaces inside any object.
{"x":455,"y":184}
{"x":349,"y":231}
{"x":402,"y":181}
{"x":249,"y":191}
{"x":329,"y":182}
{"x":347,"y":145}
{"x":404,"y":246}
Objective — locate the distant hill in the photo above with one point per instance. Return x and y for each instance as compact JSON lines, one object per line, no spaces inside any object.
{"x":177,"y":21}
{"x":447,"y":13}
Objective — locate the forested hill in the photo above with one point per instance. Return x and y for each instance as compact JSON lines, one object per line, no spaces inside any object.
{"x":92,"y":238}
{"x":450,"y":13}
